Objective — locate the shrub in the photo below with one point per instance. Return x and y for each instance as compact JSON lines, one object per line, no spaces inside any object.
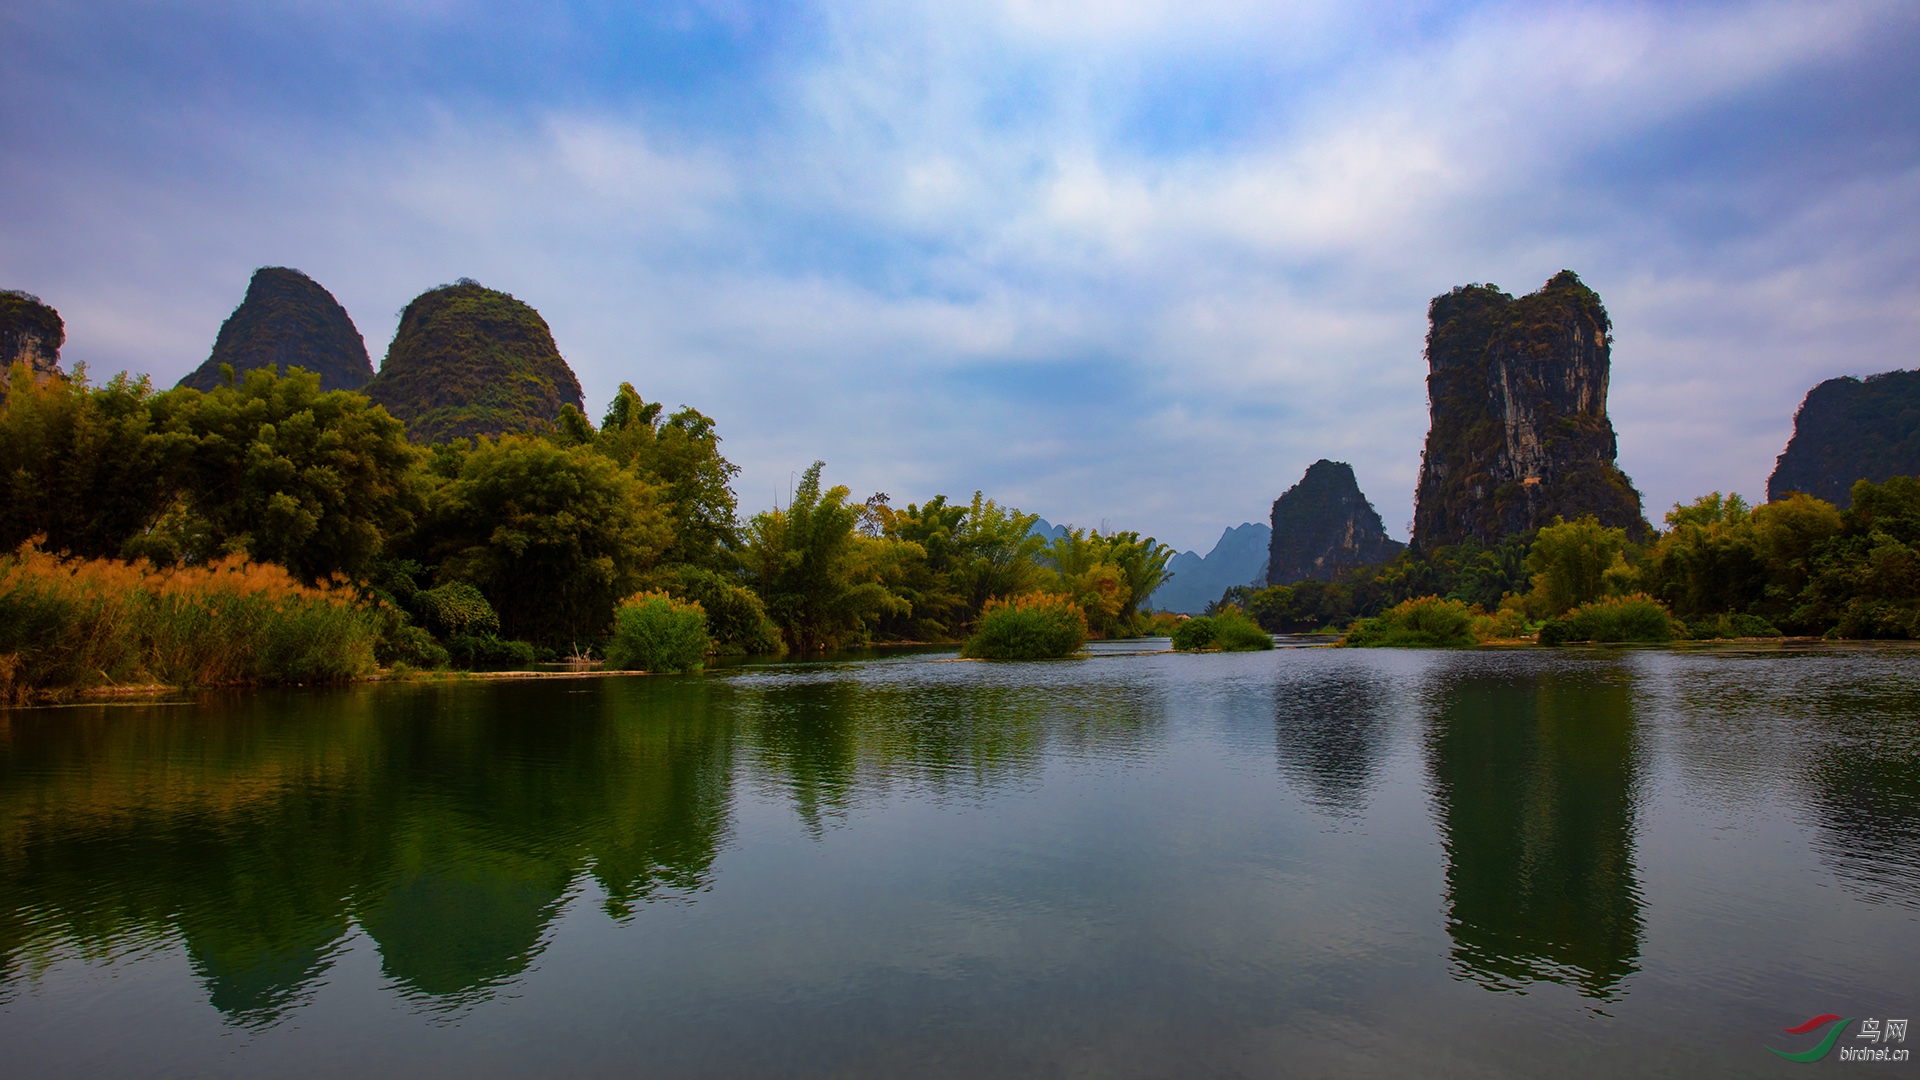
{"x":457,"y":609}
{"x":1731,"y":626}
{"x":486,"y":652}
{"x":1227,"y":631}
{"x":1234,"y":632}
{"x":736,"y":618}
{"x":1427,"y":622}
{"x":1193,"y":634}
{"x":652,"y":631}
{"x":1031,"y":627}
{"x":72,"y":624}
{"x":1635,"y":617}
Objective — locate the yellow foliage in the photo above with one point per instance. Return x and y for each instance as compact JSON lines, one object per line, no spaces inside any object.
{"x":69,"y":624}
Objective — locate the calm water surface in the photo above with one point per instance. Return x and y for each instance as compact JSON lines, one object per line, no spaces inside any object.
{"x":1299,"y":862}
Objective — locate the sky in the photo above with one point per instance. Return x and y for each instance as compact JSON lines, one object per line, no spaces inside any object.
{"x":1131,"y":264}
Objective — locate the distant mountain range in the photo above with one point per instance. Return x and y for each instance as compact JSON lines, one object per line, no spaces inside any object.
{"x":1238,"y":558}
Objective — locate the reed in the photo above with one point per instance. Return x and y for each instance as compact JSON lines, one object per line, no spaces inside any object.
{"x":1034,"y":626}
{"x":69,"y":625}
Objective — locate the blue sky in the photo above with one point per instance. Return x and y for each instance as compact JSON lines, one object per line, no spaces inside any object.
{"x":1130,"y":262}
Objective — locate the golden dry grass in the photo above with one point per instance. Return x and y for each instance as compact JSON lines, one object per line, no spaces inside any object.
{"x":75,"y":624}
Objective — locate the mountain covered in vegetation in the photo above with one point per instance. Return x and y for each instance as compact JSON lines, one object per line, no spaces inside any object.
{"x":1323,"y":526}
{"x":1851,"y":429}
{"x":1518,"y":395}
{"x":30,"y":331}
{"x":1239,"y":557}
{"x":288,"y":320}
{"x":470,"y":361}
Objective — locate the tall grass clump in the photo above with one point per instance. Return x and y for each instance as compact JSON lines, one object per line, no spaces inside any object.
{"x":1035,"y":626}
{"x":1636,"y":617}
{"x":656,"y":632}
{"x":75,"y":624}
{"x":1427,"y":622}
{"x":1227,"y":631}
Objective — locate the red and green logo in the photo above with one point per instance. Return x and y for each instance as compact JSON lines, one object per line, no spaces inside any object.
{"x":1824,"y":1046}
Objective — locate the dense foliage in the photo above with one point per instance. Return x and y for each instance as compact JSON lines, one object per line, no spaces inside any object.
{"x":271,"y":467}
{"x":653,"y":631}
{"x":1721,"y":569}
{"x":1637,"y":617}
{"x":1226,"y":630}
{"x":1034,"y":626}
{"x":1428,"y":622}
{"x":68,"y":624}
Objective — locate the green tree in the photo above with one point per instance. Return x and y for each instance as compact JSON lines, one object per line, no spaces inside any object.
{"x":1866,"y":579}
{"x":553,"y":536}
{"x":937,"y":608}
{"x":1570,"y":562}
{"x":818,"y":576}
{"x":313,"y":481}
{"x":996,"y":554}
{"x":1708,"y":561}
{"x":82,"y":465}
{"x":682,"y":456}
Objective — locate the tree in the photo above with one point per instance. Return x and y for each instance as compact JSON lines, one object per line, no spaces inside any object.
{"x":995,"y":553}
{"x":553,"y":536}
{"x":80,"y":465}
{"x":1570,"y":562}
{"x":314,"y":481}
{"x":926,"y":582}
{"x":682,"y":456}
{"x":819,"y":579}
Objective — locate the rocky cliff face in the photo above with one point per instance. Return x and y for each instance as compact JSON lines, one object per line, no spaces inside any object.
{"x":1518,"y":395}
{"x":1324,"y":525}
{"x":289,"y":321}
{"x":30,"y":331}
{"x":470,"y":361}
{"x":1851,"y":429}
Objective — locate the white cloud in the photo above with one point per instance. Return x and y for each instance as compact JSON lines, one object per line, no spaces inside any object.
{"x":950,"y":259}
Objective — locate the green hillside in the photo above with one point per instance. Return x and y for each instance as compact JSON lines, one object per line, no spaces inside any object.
{"x":470,"y":361}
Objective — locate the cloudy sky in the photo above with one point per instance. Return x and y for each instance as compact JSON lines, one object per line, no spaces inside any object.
{"x":1126,"y":262}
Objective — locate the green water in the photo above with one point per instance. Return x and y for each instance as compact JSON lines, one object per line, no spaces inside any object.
{"x":1298,"y":862}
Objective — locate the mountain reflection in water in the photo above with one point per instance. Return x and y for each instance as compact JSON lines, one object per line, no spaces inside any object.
{"x":1308,"y":861}
{"x":1534,"y":788}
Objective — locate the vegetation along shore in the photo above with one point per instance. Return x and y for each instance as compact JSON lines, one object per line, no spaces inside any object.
{"x":459,"y":510}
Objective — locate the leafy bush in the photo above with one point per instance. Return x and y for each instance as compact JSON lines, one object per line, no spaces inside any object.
{"x":457,"y":609}
{"x":1731,"y":626}
{"x":1636,"y":617}
{"x":72,"y":624}
{"x":1227,"y":631}
{"x":1428,"y":622}
{"x":485,"y":652}
{"x":1234,"y":632}
{"x":1031,"y":627}
{"x":736,"y":619}
{"x":652,"y":631}
{"x":401,"y":642}
{"x":1193,"y":634}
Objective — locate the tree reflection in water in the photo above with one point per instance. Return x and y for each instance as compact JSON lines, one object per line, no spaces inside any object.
{"x":448,"y":822}
{"x":1534,"y":776}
